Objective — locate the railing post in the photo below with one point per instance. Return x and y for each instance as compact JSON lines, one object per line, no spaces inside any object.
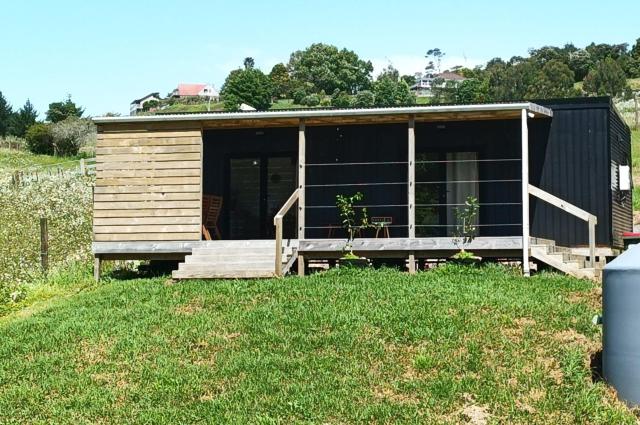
{"x":411,"y":187}
{"x":83,"y":168}
{"x":592,"y":241}
{"x":525,"y":193}
{"x":278,"y":265}
{"x":301,"y":189}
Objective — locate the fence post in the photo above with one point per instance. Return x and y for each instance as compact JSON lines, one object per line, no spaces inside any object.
{"x":83,"y":169}
{"x":44,"y":244}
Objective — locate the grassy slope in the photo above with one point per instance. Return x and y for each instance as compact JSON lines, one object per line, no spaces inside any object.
{"x":12,"y":160}
{"x":374,"y":347}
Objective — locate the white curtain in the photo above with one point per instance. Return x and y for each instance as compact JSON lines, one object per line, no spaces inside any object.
{"x":461,"y":166}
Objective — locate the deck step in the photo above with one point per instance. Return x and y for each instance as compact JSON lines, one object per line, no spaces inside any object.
{"x":233,"y":260}
{"x":566,"y":260}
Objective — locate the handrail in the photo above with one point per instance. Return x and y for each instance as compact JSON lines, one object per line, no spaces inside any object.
{"x":591,"y":219}
{"x":277,"y":221}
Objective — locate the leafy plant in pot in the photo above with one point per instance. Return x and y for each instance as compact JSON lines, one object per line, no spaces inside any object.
{"x":465,"y":232}
{"x":353,"y":222}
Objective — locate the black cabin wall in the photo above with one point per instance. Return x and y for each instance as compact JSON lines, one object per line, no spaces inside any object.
{"x":572,"y":163}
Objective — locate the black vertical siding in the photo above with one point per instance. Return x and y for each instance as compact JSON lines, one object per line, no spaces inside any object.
{"x":569,"y":159}
{"x":621,"y":204}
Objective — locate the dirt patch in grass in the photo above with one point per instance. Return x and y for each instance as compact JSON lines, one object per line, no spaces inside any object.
{"x":91,"y":352}
{"x":194,"y":306}
{"x":473,"y":413}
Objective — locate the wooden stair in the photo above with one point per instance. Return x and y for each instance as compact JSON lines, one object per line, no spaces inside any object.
{"x":567,"y":260}
{"x":242,"y":259}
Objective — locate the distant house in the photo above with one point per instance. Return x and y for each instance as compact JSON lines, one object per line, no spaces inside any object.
{"x":138,"y":104}
{"x":426,"y":82}
{"x":196,"y":90}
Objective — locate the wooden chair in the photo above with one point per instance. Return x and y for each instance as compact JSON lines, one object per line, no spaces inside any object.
{"x":211,"y":208}
{"x":382,"y":224}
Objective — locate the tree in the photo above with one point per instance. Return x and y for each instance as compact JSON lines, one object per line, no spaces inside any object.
{"x":6,"y":115}
{"x":250,"y":86}
{"x":434,"y":55}
{"x":280,"y":81}
{"x":39,"y":139}
{"x":554,"y":80}
{"x":472,"y":90}
{"x":580,"y":63}
{"x":71,"y":134}
{"x":390,"y":92}
{"x":24,"y":118}
{"x":59,"y":111}
{"x":510,"y":82}
{"x":327,"y":68}
{"x":249,"y":63}
{"x":607,"y":78}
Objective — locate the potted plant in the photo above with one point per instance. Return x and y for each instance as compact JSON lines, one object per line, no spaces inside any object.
{"x":466,"y":231}
{"x":353,"y":223}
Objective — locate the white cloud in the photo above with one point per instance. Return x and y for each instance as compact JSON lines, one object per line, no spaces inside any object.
{"x":410,"y":64}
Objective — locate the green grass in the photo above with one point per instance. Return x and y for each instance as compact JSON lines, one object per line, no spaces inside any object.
{"x":13,"y":160}
{"x":339,"y":347}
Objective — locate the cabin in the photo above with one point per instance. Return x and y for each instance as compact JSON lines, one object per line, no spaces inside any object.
{"x":253,"y":194}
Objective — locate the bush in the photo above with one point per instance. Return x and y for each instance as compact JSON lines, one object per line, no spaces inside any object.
{"x":365,"y":99}
{"x":298,"y":95}
{"x":66,"y":201}
{"x":39,"y":139}
{"x":341,"y":100}
{"x":325,"y":101}
{"x":310,"y":100}
{"x":72,"y":134}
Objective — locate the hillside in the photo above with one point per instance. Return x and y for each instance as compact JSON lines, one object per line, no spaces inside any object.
{"x":453,"y":345}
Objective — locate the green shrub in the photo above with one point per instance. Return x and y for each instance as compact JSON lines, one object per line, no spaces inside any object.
{"x":365,"y":99}
{"x":341,"y":100}
{"x":39,"y":139}
{"x":310,"y":100}
{"x":298,"y":95}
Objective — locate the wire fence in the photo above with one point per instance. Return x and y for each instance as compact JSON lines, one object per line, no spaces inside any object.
{"x":442,"y":187}
{"x":85,"y":167}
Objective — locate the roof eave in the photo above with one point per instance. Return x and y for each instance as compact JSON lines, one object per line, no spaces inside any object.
{"x":314,"y":113}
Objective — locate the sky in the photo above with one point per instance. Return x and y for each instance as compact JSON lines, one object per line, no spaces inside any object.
{"x":105,"y":54}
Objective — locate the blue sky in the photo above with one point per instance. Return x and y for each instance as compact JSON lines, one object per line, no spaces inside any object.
{"x":107,"y":53}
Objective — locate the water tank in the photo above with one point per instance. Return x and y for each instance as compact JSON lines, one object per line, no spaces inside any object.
{"x":621,"y":325}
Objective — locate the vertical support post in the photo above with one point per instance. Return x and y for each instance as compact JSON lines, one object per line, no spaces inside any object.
{"x":44,"y":244}
{"x":83,"y":168}
{"x":96,"y":267}
{"x":525,"y":193}
{"x":278,"y":265}
{"x":592,"y":241}
{"x":301,"y":189}
{"x":411,"y":188}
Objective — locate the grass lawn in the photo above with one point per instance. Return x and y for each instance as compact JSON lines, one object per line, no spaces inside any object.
{"x":340,"y":347}
{"x":197,"y":107}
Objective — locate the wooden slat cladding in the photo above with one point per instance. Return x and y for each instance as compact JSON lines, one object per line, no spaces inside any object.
{"x":148,"y":184}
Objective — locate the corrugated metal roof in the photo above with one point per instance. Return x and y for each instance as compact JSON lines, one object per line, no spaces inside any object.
{"x":343,"y":112}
